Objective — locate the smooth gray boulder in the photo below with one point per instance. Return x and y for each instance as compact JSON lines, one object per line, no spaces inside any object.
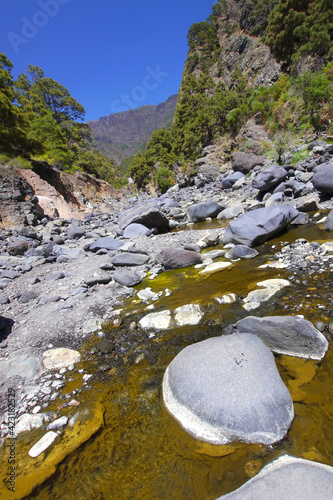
{"x":126,"y":277}
{"x":257,"y":226}
{"x":228,"y":389}
{"x":149,"y":215}
{"x":130,"y":259}
{"x":201,"y":211}
{"x":74,"y":232}
{"x":135,"y":230}
{"x":274,"y":175}
{"x":245,"y":162}
{"x":291,"y":335}
{"x":323,"y":179}
{"x":287,"y":478}
{"x":176,"y":258}
{"x":231,"y":179}
{"x":241,"y":252}
{"x":106,"y":243}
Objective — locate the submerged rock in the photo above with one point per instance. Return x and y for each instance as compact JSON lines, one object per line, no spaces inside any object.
{"x":190,"y":314}
{"x":291,"y":335}
{"x":287,"y":478}
{"x":227,"y":389}
{"x":269,"y":288}
{"x":43,"y":444}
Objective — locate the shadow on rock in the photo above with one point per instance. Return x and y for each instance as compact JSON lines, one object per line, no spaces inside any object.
{"x":6,"y":326}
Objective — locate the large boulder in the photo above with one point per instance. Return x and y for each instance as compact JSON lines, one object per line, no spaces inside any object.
{"x":148,"y":215}
{"x":176,"y":258}
{"x":271,"y":177}
{"x":245,"y":162}
{"x":201,"y":211}
{"x":257,"y":226}
{"x":287,"y":478}
{"x":291,"y":335}
{"x":323,"y":179}
{"x":228,"y":389}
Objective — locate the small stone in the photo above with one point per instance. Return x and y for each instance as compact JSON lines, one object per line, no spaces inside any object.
{"x":43,"y":444}
{"x":57,"y":424}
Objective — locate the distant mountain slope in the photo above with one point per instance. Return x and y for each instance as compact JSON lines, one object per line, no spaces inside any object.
{"x":121,"y":135}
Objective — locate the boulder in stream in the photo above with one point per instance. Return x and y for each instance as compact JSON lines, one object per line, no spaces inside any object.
{"x":257,"y":226}
{"x":228,"y":389}
{"x":287,"y":478}
{"x":201,"y":211}
{"x":290,"y":335}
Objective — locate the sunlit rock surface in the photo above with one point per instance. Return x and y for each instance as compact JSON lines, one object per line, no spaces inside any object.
{"x":228,"y":388}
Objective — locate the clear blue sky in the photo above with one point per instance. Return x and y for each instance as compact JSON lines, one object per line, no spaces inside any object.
{"x":112,"y":55}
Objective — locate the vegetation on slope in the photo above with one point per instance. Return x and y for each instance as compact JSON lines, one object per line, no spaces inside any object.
{"x":40,"y":120}
{"x":302,"y":99}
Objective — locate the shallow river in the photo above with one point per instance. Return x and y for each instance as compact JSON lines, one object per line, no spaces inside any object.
{"x":141,"y":452}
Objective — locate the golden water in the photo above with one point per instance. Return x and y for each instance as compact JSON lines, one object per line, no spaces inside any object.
{"x":141,"y":452}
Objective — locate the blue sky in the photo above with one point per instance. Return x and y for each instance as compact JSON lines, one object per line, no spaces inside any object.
{"x":112,"y":55}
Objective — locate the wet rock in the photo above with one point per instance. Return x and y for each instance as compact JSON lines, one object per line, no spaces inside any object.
{"x":245,"y":162}
{"x":190,"y":314}
{"x":43,"y":444}
{"x":106,"y":346}
{"x":201,"y":211}
{"x":135,"y":230}
{"x":290,"y":335}
{"x":130,"y":259}
{"x":126,"y":277}
{"x":23,"y":363}
{"x":215,"y":267}
{"x":287,"y":478}
{"x":106,"y":243}
{"x":241,"y":252}
{"x":257,"y":226}
{"x":55,"y":359}
{"x":269,"y":288}
{"x":175,"y":258}
{"x":228,"y":389}
{"x":148,"y":215}
{"x":158,"y":321}
{"x":229,"y":298}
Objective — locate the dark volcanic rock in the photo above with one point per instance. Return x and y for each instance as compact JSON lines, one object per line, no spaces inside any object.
{"x":18,"y":247}
{"x":229,"y":181}
{"x":253,"y":228}
{"x":323,"y":179}
{"x":269,"y":178}
{"x":244,"y":162}
{"x":201,"y":211}
{"x":175,"y":258}
{"x":148,"y":215}
{"x":135,"y":230}
{"x":75,"y":232}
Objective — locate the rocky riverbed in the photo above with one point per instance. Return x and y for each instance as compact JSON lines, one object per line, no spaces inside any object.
{"x":62,"y":279}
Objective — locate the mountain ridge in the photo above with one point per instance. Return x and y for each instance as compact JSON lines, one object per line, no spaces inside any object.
{"x":121,"y":135}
